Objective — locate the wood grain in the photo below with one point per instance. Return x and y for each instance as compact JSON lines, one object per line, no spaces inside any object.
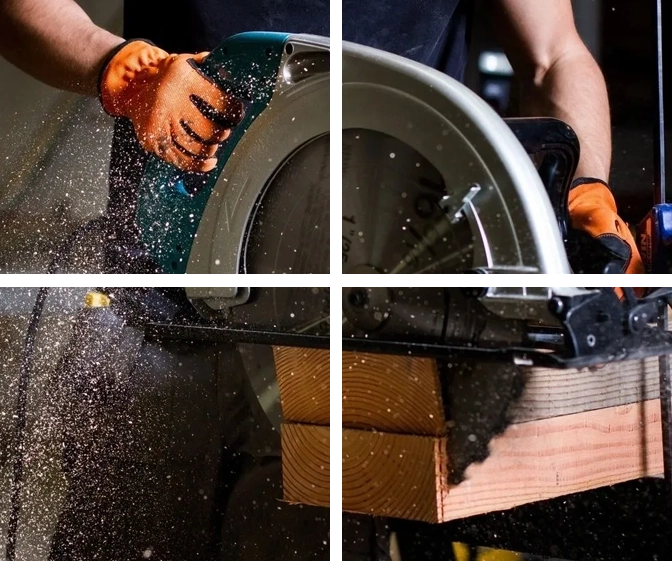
{"x":303,"y":380}
{"x":396,"y":394}
{"x":405,"y":476}
{"x":562,"y":455}
{"x":394,"y":475}
{"x":550,"y":393}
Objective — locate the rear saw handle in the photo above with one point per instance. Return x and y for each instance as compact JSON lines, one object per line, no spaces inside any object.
{"x":557,"y":144}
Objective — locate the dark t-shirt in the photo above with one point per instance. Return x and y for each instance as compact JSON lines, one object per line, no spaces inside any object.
{"x":434,"y":32}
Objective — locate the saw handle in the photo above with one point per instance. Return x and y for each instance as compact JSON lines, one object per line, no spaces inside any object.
{"x":556,"y":143}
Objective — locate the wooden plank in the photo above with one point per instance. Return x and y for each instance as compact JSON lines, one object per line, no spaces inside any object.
{"x":561,"y":455}
{"x":395,"y":475}
{"x":397,"y":394}
{"x":406,"y":476}
{"x":549,"y":392}
{"x":403,"y":394}
{"x":568,"y":431}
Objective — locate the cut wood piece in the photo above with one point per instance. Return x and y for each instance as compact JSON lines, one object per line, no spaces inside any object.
{"x":400,"y":476}
{"x":403,"y":394}
{"x":561,"y":455}
{"x":530,"y":462}
{"x":398,"y":394}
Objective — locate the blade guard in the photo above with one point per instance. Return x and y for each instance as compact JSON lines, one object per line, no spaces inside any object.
{"x":170,"y":201}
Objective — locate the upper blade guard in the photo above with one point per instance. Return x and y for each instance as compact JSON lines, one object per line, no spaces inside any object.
{"x":440,"y":128}
{"x":265,"y":209}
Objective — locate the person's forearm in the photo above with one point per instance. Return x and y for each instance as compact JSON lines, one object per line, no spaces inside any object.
{"x":573,"y":90}
{"x":54,"y":41}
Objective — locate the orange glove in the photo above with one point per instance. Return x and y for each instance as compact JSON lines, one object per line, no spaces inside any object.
{"x":592,"y":210}
{"x":177,"y":112}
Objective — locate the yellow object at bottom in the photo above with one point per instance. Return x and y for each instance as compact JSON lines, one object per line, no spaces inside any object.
{"x":462,"y":553}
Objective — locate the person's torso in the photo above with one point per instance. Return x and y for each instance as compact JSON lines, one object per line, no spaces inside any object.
{"x":433,"y":32}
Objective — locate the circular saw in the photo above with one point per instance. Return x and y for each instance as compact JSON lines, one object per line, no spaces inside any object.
{"x":452,"y":221}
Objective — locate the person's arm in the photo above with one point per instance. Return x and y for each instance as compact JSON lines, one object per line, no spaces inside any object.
{"x":55,"y":42}
{"x":560,"y":78}
{"x":558,"y":75}
{"x":177,"y":113}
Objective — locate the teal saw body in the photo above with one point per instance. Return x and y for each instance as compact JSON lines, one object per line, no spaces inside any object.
{"x":171,"y":202}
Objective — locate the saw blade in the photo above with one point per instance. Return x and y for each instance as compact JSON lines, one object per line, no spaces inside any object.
{"x":395,"y":221}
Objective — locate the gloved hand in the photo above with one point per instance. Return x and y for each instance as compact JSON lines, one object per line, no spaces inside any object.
{"x":604,"y":237}
{"x":177,"y":112}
